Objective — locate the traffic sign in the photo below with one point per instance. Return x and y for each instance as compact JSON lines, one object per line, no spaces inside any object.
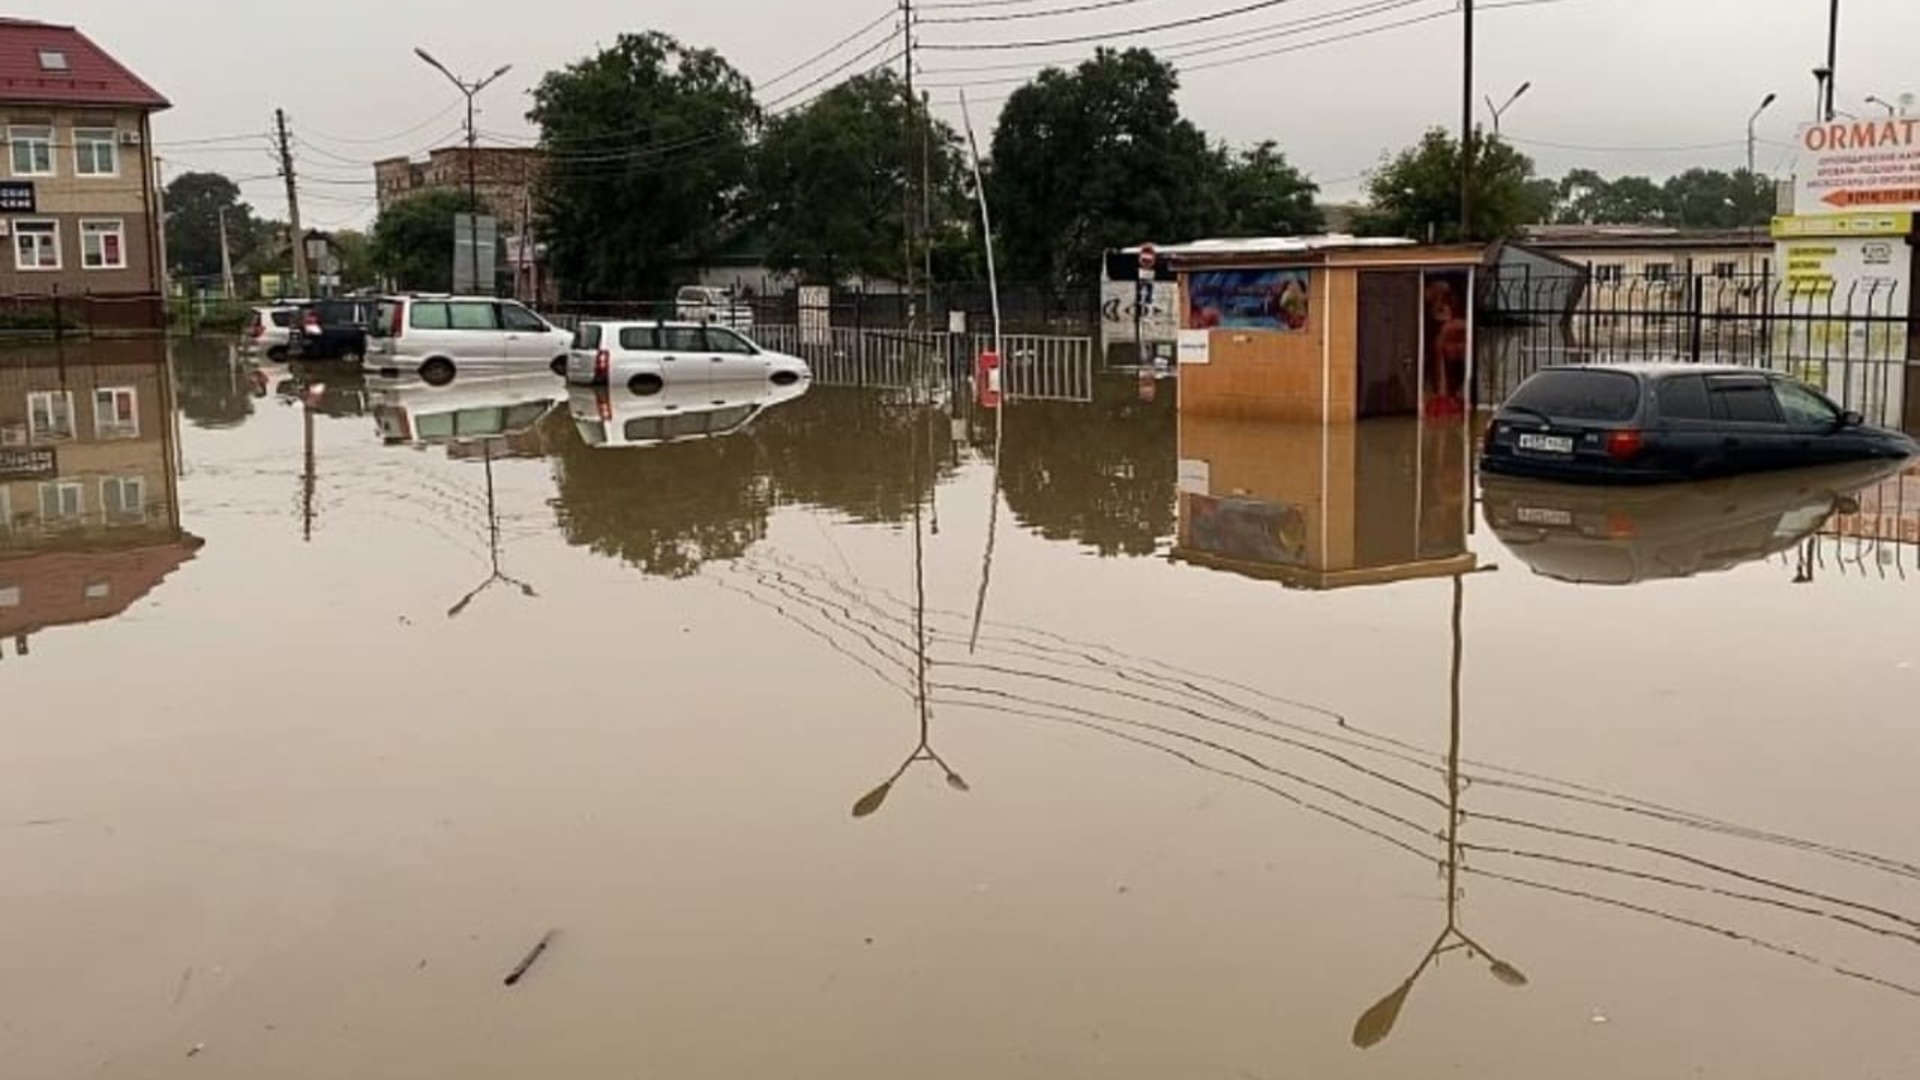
{"x":1149,"y":261}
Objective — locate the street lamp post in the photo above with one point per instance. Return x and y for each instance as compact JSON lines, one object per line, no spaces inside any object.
{"x":1874,"y":99}
{"x":1765,"y":104}
{"x":1501,"y":110}
{"x":470,"y":90}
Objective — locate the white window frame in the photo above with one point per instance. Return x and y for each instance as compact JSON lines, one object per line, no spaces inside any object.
{"x":36,"y":432}
{"x":121,"y":485}
{"x":92,"y":139}
{"x":29,"y":135}
{"x":114,"y":227}
{"x":6,"y":509}
{"x":25,"y":227}
{"x":60,"y":489}
{"x":107,"y":423}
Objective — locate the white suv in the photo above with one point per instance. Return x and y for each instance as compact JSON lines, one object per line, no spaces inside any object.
{"x":648,"y":356}
{"x":435,"y":336}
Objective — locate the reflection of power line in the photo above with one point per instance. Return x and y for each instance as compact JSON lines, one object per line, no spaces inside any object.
{"x":866,"y":623}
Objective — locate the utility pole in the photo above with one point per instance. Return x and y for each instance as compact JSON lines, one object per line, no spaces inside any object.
{"x":1833,"y":54}
{"x":1466,"y":121}
{"x":226,"y":257}
{"x":906,"y":157}
{"x":296,"y":236}
{"x":471,"y":90}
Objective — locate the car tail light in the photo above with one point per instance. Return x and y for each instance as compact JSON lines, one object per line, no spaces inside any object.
{"x":1625,"y":445}
{"x":1621,"y":527}
{"x":310,"y":324}
{"x":602,"y":363}
{"x":393,"y":322}
{"x":606,"y":408}
{"x":256,"y":329}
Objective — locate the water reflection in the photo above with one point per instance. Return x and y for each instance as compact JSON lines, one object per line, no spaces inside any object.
{"x":612,"y":418}
{"x":500,"y":412}
{"x":89,"y":485}
{"x":217,"y":385}
{"x":1624,"y":536}
{"x":1324,"y":507}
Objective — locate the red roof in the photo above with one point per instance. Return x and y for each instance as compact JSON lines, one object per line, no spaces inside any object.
{"x":91,"y":76}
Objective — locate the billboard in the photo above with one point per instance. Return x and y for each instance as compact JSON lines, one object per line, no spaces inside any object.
{"x":1859,"y":165}
{"x":476,"y":239}
{"x":1248,"y":300}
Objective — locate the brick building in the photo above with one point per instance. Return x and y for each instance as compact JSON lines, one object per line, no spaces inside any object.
{"x":77,"y":199}
{"x":504,"y":178}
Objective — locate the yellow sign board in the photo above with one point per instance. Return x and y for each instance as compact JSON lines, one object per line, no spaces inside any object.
{"x":1885,"y":223}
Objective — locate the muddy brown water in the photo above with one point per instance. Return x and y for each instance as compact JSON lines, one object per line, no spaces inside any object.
{"x":1277,"y":752}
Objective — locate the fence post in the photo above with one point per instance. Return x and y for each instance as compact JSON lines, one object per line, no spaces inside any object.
{"x":1697,"y":288}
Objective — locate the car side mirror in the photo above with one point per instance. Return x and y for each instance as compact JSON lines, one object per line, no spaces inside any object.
{"x":1851,"y":419}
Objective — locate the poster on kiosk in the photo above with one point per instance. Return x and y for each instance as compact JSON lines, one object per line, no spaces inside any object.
{"x":1846,"y":261}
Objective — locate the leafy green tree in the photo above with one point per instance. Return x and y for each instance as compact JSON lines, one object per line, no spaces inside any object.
{"x":195,"y":202}
{"x":1261,"y":194}
{"x":832,"y":180}
{"x":413,"y":240}
{"x":357,"y":268}
{"x":1416,"y":193}
{"x":1712,"y":199}
{"x":649,"y":160}
{"x":1098,"y":158}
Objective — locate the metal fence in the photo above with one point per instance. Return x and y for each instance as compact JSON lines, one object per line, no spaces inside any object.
{"x":1859,"y":343}
{"x":1034,"y":367}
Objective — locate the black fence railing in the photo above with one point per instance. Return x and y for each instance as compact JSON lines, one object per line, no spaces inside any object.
{"x":1859,"y":342}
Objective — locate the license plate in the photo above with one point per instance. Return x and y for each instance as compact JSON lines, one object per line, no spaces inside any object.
{"x":1547,"y":444}
{"x":1534,"y":515}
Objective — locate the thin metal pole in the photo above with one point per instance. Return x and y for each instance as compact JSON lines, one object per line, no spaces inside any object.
{"x":1833,"y":53}
{"x":473,"y":192}
{"x":1466,"y":120}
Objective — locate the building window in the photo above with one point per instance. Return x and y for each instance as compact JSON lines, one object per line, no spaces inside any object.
{"x":1726,"y":271}
{"x":1608,"y":274}
{"x":36,"y":245}
{"x":9,"y":596}
{"x":116,"y":413}
{"x":50,"y":415}
{"x":62,"y":501}
{"x":53,"y":60}
{"x":1657,"y":273}
{"x":124,"y":498}
{"x":103,"y":245}
{"x":95,"y":152}
{"x":32,"y":150}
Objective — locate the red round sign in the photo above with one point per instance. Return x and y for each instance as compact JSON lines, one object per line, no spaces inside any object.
{"x":1149,"y":258}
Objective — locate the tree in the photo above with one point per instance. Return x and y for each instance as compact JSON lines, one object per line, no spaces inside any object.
{"x":1260,"y":194}
{"x":832,"y":180}
{"x":1098,"y":158}
{"x":1712,"y":199}
{"x":649,"y":159}
{"x":413,"y":240}
{"x":1416,"y":193}
{"x":1587,"y":198}
{"x":357,"y":268}
{"x":195,"y":202}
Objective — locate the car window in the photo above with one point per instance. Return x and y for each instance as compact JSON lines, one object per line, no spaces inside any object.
{"x":728,"y":419}
{"x":726,"y":341}
{"x":383,"y":317}
{"x":281,"y":319}
{"x":428,"y":317}
{"x":519,"y":319}
{"x":1685,"y":398}
{"x":682,"y":339}
{"x":1577,"y":394}
{"x":1743,"y":400}
{"x":684,"y":425}
{"x":587,"y":336}
{"x":642,"y":429}
{"x":691,"y":295}
{"x":1804,"y":408}
{"x":472,"y":315}
{"x":638,"y":339}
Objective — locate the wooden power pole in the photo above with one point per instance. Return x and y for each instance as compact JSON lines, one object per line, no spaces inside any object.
{"x":297,"y":236}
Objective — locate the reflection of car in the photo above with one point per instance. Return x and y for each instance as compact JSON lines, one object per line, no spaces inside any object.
{"x":708,"y":304}
{"x":1627,"y":423}
{"x":614,"y":417}
{"x":434,"y":337}
{"x":333,"y":329}
{"x":1601,"y":536}
{"x":478,"y":406}
{"x":268,"y":331}
{"x":645,"y":356}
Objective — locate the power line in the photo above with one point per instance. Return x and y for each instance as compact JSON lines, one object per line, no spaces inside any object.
{"x":1050,"y":13}
{"x":803,"y":65}
{"x":1108,"y":35}
{"x":395,"y":137}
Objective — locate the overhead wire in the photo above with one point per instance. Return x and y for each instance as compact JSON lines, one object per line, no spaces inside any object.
{"x":1050,"y":13}
{"x":1106,"y":35}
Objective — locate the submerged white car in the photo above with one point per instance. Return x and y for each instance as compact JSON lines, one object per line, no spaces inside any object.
{"x":614,"y":417}
{"x":645,"y":357}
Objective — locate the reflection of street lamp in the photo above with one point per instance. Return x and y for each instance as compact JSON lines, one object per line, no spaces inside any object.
{"x":470,"y":89}
{"x":1501,"y":110}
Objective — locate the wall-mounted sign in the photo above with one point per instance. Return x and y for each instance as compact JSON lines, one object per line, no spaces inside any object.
{"x":1195,"y":347}
{"x":1248,"y":299}
{"x":18,"y":197}
{"x":31,"y":463}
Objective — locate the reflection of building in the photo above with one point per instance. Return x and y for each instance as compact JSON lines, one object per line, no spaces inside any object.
{"x":76,"y":202}
{"x":1324,"y":507}
{"x":89,"y":508}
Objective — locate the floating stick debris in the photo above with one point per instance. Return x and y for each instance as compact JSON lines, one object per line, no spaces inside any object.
{"x":532,"y":955}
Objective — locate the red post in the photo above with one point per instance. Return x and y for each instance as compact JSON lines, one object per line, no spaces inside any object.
{"x":986,"y":380}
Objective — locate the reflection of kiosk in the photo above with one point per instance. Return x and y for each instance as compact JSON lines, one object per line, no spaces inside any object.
{"x":1326,"y":328}
{"x":1324,"y":506}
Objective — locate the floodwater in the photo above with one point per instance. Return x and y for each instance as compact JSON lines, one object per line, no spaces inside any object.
{"x":829,"y":750}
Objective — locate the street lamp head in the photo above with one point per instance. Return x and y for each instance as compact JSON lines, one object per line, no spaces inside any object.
{"x":1524,"y":87}
{"x":1768,"y":100}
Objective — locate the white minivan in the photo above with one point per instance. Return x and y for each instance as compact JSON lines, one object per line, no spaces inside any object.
{"x":646,"y":356}
{"x":435,"y":336}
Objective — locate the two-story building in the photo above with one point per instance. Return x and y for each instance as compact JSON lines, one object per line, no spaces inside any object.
{"x":504,"y":178}
{"x":78,"y":213}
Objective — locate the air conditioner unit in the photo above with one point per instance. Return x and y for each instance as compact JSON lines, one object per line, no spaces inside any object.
{"x":129,"y":138}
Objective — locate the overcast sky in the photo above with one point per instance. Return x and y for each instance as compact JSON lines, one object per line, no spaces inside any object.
{"x":1618,"y":85}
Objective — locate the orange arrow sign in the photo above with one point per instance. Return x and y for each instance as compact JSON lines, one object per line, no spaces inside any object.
{"x":1882,"y":197}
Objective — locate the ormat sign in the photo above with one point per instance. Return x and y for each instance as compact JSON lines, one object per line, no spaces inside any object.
{"x":1859,"y":165}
